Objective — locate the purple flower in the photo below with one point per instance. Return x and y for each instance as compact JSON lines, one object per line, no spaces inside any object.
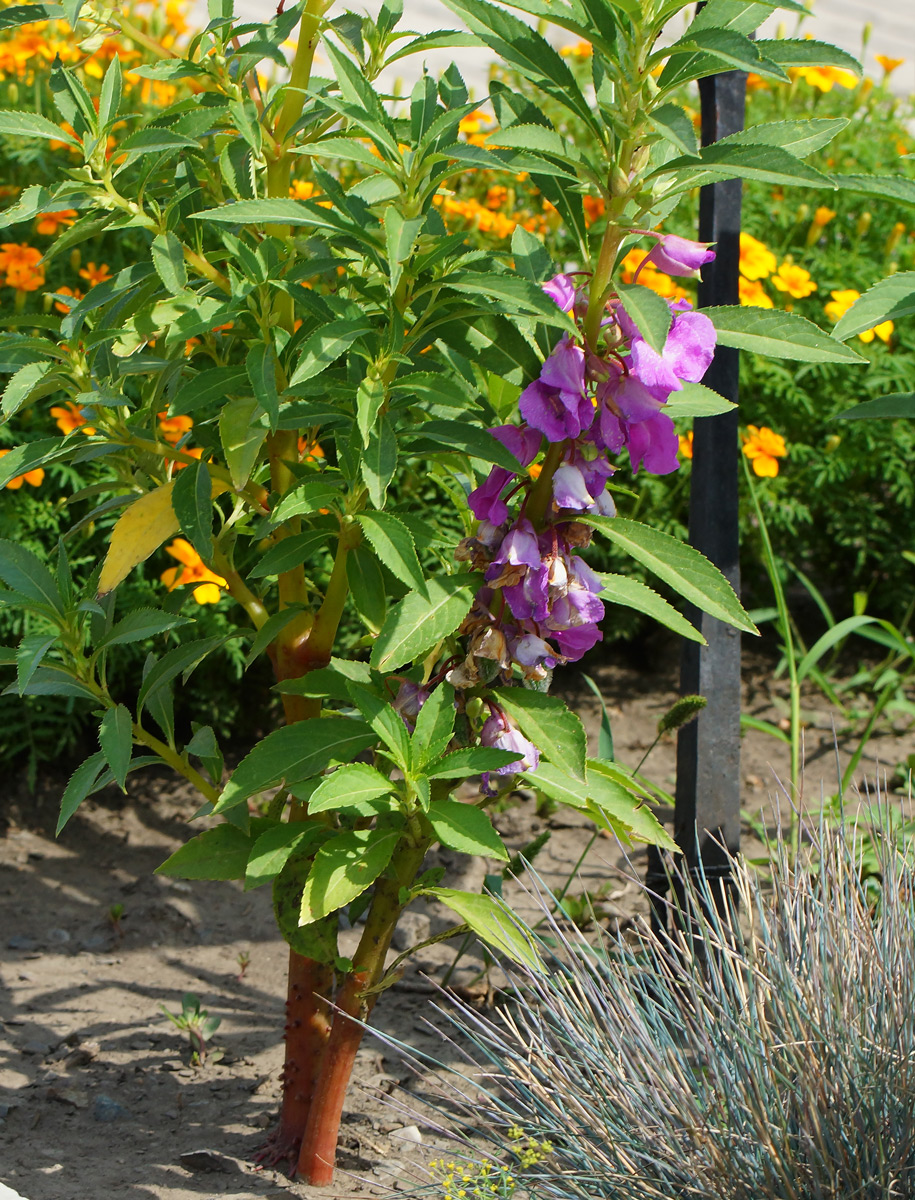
{"x":559,"y":415}
{"x":561,"y":289}
{"x":529,"y":599}
{"x":680,"y":256}
{"x":409,"y":700}
{"x":653,"y":445}
{"x":500,"y":732}
{"x":570,"y":489}
{"x":565,"y":367}
{"x":485,"y":501}
{"x":519,"y":547}
{"x":576,"y":641}
{"x":532,"y":651}
{"x":687,"y":353}
{"x":519,"y":440}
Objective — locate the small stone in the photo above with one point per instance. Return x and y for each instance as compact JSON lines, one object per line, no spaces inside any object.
{"x":75,"y":1097}
{"x":82,"y":1055}
{"x":61,"y":936}
{"x":204,"y":1160}
{"x":105,"y":1109}
{"x":20,"y":941}
{"x":408,"y":1133}
{"x":141,"y":1044}
{"x":7,"y":1193}
{"x":37,"y":1048}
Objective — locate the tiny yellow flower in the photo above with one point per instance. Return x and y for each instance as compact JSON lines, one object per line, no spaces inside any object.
{"x":889,"y":64}
{"x":686,"y":444}
{"x":793,"y":280}
{"x":753,"y":294}
{"x":756,"y":260}
{"x":192,"y":570}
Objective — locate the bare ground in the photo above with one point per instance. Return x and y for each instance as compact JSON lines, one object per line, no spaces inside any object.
{"x":97,"y":1093}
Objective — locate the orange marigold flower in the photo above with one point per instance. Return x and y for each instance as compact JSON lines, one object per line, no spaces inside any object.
{"x":793,"y":280}
{"x":309,"y":451}
{"x":21,"y":263}
{"x":753,"y":294}
{"x":649,"y":276}
{"x":756,"y":83}
{"x":61,"y":305}
{"x":194,"y":452}
{"x":49,"y":223}
{"x":756,"y":260}
{"x":93,"y":274}
{"x":594,"y":208}
{"x":475,"y":122}
{"x":686,"y":444}
{"x":192,"y":571}
{"x":889,"y":64}
{"x":764,"y":447}
{"x":496,"y":196}
{"x":534,"y":470}
{"x":173,"y":429}
{"x":33,"y":478}
{"x":823,"y":215}
{"x":69,"y":417}
{"x":302,"y":189}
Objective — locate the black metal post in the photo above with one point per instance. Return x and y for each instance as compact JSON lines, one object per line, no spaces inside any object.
{"x":707,"y":814}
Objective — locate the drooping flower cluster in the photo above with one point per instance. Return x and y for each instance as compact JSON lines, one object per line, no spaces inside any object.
{"x":540,"y":604}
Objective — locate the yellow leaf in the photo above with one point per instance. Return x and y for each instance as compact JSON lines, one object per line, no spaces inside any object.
{"x":139,"y":531}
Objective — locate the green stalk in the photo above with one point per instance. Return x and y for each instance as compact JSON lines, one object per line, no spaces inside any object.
{"x":784,"y":625}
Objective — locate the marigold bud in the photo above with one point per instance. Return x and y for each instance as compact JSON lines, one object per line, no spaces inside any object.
{"x":619,"y":182}
{"x":864,"y":223}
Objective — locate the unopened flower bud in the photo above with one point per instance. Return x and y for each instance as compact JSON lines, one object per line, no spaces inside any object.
{"x":76,"y":259}
{"x":619,"y":182}
{"x":864,"y":223}
{"x":12,"y":92}
{"x":893,"y":240}
{"x":640,"y":159}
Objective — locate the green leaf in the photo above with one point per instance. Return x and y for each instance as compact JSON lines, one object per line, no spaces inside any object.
{"x":140,"y":624}
{"x":466,"y":828}
{"x":393,"y":543}
{"x":799,"y":52}
{"x":434,"y":725}
{"x":242,"y":434}
{"x":701,"y":52}
{"x":621,"y":807}
{"x":605,"y":735}
{"x":192,"y":501}
{"x":260,"y":364}
{"x":379,"y":461}
{"x":471,"y":760}
{"x":632,"y":593}
{"x":286,"y":756}
{"x":887,"y":187}
{"x":25,"y":458}
{"x":115,"y":737}
{"x":649,"y":311}
{"x":367,"y":587}
{"x":220,"y":853}
{"x":273,"y":849}
{"x":419,"y":621}
{"x":288,"y":553}
{"x":182,"y":658}
{"x":154,"y":139}
{"x":332,"y":681}
{"x":208,"y":387}
{"x":53,"y":681}
{"x":674,"y":126}
{"x":25,"y":573}
{"x":343,"y":868}
{"x":544,"y":720}
{"x":81,"y":784}
{"x":696,"y":400}
{"x":519,"y":296}
{"x":370,"y":398}
{"x":887,"y":300}
{"x":532,"y":259}
{"x":110,"y":96}
{"x":800,"y":138}
{"x":681,"y":566}
{"x":168,"y":259}
{"x":24,"y":384}
{"x":464,"y":438}
{"x":279,"y":211}
{"x":349,"y":786}
{"x":401,"y":233}
{"x":274,"y":625}
{"x":326,"y":345}
{"x":891,"y":407}
{"x":317,"y":941}
{"x":777,"y":334}
{"x":493,"y":922}
{"x":733,"y":160}
{"x":31,"y":125}
{"x":386,"y":722}
{"x":30,"y":652}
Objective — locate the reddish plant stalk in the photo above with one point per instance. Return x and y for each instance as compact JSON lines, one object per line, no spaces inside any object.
{"x":307,"y":1032}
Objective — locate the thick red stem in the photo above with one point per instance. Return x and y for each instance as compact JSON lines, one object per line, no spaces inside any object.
{"x":319,"y":1144}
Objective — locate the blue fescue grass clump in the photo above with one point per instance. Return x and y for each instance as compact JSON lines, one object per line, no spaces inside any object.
{"x":769,"y":1055}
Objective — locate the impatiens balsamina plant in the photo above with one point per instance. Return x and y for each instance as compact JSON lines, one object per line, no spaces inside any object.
{"x":301,"y":291}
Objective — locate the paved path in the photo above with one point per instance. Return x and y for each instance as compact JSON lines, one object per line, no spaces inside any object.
{"x":838,"y":21}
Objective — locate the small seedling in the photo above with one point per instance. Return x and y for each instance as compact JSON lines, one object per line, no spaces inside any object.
{"x":115,"y":914}
{"x":199,"y":1026}
{"x":243,"y":959}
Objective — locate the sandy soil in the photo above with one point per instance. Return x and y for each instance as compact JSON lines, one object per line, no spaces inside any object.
{"x":97,"y":1093}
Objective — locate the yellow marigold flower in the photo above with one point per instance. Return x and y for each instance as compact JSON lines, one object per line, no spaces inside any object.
{"x":475,"y":122}
{"x":302,"y":189}
{"x":33,"y":478}
{"x":825,"y":78}
{"x":823,"y":215}
{"x":61,"y":305}
{"x":841,"y":302}
{"x":69,"y":417}
{"x":594,"y":208}
{"x":756,"y":83}
{"x":194,"y":452}
{"x":93,"y":274}
{"x":753,"y":294}
{"x":309,"y":452}
{"x":173,"y":429}
{"x":756,"y":260}
{"x":794,"y":280}
{"x":48,"y":223}
{"x":763,"y":447}
{"x":686,"y":444}
{"x":889,"y":64}
{"x":496,"y":196}
{"x":192,"y":571}
{"x":578,"y":50}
